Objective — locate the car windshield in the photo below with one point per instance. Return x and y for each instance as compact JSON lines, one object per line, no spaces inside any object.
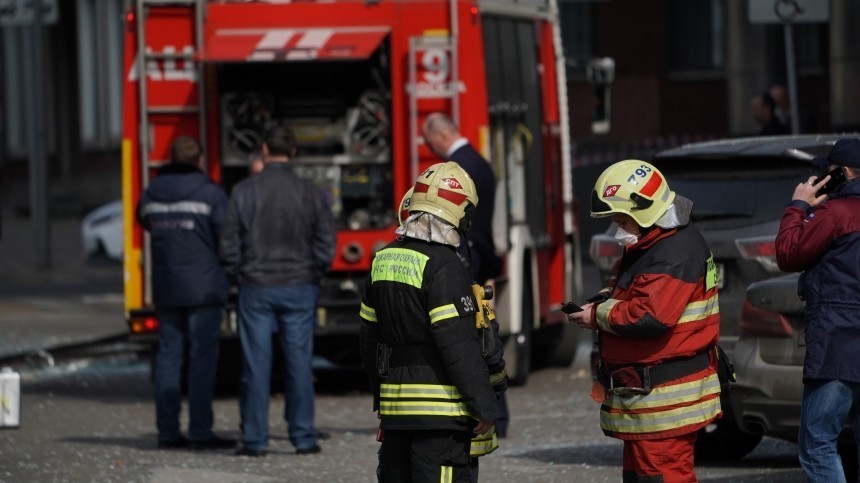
{"x":736,"y":192}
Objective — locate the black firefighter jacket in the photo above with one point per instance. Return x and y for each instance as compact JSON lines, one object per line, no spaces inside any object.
{"x":418,"y":301}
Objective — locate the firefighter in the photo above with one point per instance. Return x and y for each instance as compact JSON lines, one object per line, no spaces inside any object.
{"x":658,"y":325}
{"x":418,"y":340}
{"x":493,"y":353}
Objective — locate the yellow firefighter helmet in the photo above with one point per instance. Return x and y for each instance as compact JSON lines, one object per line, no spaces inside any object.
{"x":634,"y":188}
{"x":403,"y":208}
{"x":447,"y":191}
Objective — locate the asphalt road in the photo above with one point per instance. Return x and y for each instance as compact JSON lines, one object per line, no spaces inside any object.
{"x":87,"y":420}
{"x":94,"y":422}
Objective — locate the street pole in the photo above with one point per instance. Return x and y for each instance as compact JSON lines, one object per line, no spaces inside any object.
{"x":792,"y":75}
{"x":36,"y":139}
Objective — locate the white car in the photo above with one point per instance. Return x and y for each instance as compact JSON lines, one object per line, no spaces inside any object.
{"x":101,"y":231}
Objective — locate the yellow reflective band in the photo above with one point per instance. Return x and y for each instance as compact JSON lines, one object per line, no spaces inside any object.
{"x":422,"y":408}
{"x":446,"y":474}
{"x":662,"y":420}
{"x":602,"y":315}
{"x":700,"y":310}
{"x":484,"y":443}
{"x":667,"y":395}
{"x":367,"y":313}
{"x":399,"y":265}
{"x":415,"y":391}
{"x":443,"y":312}
{"x":498,"y":377}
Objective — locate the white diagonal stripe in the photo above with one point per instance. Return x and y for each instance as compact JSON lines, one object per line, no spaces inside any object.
{"x":301,"y":54}
{"x":264,"y":55}
{"x":275,"y":39}
{"x":314,"y":38}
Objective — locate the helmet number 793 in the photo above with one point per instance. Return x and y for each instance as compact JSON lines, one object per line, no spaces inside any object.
{"x":641,"y":172}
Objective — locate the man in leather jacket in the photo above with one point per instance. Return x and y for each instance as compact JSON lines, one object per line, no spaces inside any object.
{"x":278,"y":241}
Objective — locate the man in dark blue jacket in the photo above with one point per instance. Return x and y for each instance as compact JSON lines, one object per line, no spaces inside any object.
{"x":182,"y":209}
{"x":819,"y":235}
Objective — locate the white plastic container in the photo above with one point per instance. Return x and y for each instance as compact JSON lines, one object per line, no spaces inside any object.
{"x":10,"y":398}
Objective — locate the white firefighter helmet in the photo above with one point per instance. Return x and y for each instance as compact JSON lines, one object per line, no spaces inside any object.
{"x":447,"y":191}
{"x":403,"y":208}
{"x":634,"y":188}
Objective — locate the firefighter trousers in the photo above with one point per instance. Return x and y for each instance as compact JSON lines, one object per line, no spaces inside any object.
{"x":425,"y":456}
{"x":668,"y":460}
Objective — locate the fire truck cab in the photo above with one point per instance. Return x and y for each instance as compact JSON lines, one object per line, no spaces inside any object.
{"x":354,"y":80}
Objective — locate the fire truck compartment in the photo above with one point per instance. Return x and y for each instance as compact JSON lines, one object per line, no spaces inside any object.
{"x":339,"y":111}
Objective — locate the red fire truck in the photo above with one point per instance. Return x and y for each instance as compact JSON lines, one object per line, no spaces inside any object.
{"x":355,"y":80}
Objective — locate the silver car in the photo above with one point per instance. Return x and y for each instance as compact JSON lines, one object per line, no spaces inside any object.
{"x":101,"y":232}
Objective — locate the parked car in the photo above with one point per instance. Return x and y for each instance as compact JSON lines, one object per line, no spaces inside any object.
{"x":101,"y":232}
{"x":768,"y":362}
{"x":739,"y":188}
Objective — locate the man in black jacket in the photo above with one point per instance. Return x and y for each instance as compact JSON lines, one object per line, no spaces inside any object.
{"x":278,"y":241}
{"x":182,"y":209}
{"x":418,"y":340}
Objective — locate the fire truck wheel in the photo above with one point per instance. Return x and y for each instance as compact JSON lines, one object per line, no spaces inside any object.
{"x":723,"y":440}
{"x":518,"y":348}
{"x":555,"y":345}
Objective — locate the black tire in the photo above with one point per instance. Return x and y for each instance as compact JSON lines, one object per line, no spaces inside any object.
{"x":556,"y":345}
{"x":723,"y":440}
{"x":520,"y":345}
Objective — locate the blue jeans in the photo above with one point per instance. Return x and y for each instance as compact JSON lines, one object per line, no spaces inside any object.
{"x":289,"y":311}
{"x":825,"y":408}
{"x":200,"y":326}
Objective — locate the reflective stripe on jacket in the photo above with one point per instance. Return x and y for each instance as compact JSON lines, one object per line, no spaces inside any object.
{"x":183,"y":210}
{"x":418,"y":301}
{"x":663,"y":306}
{"x":484,"y":444}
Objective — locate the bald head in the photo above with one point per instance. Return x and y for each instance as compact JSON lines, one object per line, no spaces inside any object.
{"x":440,"y":132}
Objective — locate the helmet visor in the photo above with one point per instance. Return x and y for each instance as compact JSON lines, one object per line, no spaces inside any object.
{"x":599,"y":208}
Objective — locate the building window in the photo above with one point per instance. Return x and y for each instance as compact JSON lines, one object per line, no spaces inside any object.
{"x":576,"y":20}
{"x":808,"y":44}
{"x":697,"y":30}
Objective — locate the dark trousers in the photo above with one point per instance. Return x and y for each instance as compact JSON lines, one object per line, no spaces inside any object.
{"x":429,"y":456}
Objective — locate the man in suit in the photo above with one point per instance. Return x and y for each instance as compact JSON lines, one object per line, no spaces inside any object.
{"x":444,"y":139}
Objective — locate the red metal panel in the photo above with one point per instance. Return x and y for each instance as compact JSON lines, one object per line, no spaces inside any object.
{"x":290,"y":44}
{"x":171,"y":82}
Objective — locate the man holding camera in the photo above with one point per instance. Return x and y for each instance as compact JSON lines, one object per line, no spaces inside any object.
{"x":819,"y":235}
